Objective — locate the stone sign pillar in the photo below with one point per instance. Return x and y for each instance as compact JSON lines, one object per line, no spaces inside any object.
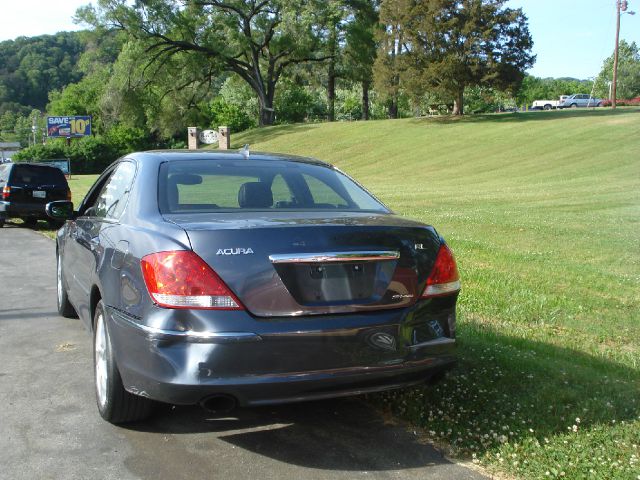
{"x":224,"y":138}
{"x":193,"y":140}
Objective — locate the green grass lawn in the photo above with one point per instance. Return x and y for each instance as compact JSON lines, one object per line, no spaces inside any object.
{"x":543,"y":213}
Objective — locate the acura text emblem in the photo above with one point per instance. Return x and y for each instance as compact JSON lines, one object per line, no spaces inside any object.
{"x":234,"y":251}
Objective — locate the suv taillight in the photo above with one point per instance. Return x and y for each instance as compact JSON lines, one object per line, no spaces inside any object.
{"x":444,"y":278}
{"x":181,"y":279}
{"x":69,"y":195}
{"x":6,"y":192}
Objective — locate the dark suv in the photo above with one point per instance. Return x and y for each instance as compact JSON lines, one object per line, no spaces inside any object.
{"x":25,"y":189}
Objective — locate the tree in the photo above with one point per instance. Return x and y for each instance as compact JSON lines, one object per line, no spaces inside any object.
{"x":31,"y":67}
{"x":360,"y":49}
{"x":628,"y":73}
{"x":256,"y":40}
{"x":387,"y":66}
{"x":535,"y":88}
{"x":454,"y":44}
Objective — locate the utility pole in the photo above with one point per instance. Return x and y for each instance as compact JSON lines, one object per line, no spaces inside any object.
{"x":615,"y":54}
{"x":621,"y":7}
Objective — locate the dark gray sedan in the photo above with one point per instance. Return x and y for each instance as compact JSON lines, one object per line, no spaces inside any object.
{"x":227,"y":279}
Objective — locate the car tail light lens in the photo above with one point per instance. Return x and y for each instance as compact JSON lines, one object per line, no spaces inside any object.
{"x":6,"y":192}
{"x":181,"y":279}
{"x":69,"y":195}
{"x":444,"y":278}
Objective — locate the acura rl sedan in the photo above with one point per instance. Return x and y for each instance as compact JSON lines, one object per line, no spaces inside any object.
{"x":226,"y":279}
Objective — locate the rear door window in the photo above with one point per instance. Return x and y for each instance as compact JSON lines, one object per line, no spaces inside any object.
{"x":4,"y":173}
{"x":114,"y":195}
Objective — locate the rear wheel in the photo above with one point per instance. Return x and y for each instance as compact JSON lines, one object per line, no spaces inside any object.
{"x":115,"y":404}
{"x":547,"y":107}
{"x":1,"y":222}
{"x":30,"y":222}
{"x":574,"y":105}
{"x":64,"y":306}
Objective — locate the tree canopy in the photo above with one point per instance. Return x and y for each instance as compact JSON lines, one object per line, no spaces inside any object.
{"x":256,"y":40}
{"x":31,"y":67}
{"x":449,"y":45}
{"x":628,"y":73}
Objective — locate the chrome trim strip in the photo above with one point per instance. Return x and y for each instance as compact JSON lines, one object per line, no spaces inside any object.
{"x":328,"y":257}
{"x":434,"y":343}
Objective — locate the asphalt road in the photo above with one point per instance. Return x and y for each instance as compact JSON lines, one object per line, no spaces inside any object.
{"x":50,"y":428}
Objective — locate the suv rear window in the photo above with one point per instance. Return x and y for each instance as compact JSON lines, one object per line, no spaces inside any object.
{"x":37,"y":175}
{"x":224,"y":185}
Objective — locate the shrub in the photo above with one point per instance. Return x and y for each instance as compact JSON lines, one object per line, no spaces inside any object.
{"x":230,"y":115}
{"x":633,"y":102}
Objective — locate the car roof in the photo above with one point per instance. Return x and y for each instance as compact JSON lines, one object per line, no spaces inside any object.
{"x":231,"y":155}
{"x":33,"y":164}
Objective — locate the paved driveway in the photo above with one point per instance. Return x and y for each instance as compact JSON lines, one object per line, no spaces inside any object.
{"x":49,"y":426}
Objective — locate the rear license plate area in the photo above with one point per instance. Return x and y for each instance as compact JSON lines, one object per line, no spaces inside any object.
{"x":39,"y":194}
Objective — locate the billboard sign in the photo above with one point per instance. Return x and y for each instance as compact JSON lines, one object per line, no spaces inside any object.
{"x":66,"y":127}
{"x":62,"y":164}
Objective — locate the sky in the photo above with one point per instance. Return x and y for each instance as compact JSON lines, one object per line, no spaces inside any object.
{"x":571,"y":37}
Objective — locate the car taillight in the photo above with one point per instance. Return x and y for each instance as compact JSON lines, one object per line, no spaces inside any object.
{"x":6,"y":192}
{"x":69,"y":195}
{"x":181,"y":279}
{"x":444,"y":278}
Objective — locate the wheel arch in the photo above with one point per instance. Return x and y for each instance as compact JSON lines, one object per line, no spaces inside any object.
{"x":94,"y":298}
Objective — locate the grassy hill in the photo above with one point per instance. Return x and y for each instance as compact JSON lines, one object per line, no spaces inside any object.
{"x":543,"y":213}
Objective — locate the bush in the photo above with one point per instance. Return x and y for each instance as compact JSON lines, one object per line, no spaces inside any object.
{"x":633,"y":102}
{"x":87,"y":155}
{"x":230,"y":115}
{"x":293,"y":103}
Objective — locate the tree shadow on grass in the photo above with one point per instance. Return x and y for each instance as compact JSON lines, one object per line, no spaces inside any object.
{"x":513,"y":390}
{"x":259,"y":135}
{"x":535,"y":116}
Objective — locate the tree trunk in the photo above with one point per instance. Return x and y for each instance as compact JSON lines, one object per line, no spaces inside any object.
{"x":458,"y":103}
{"x":331,"y":91}
{"x":331,"y":75}
{"x":365,"y":99}
{"x":265,"y":101}
{"x":393,"y":107}
{"x":267,"y":116}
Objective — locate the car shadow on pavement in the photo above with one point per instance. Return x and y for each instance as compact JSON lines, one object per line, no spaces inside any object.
{"x":342,"y":434}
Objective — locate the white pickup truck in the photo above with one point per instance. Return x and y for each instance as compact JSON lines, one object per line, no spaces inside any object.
{"x":549,"y":104}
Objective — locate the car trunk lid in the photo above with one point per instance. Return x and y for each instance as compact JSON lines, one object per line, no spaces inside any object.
{"x":305,"y":263}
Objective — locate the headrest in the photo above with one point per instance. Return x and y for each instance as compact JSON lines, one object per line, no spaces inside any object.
{"x":255,"y":195}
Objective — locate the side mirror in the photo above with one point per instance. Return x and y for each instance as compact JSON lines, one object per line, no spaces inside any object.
{"x":60,"y":210}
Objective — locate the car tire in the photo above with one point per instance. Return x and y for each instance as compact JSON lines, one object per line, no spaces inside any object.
{"x":547,"y":107}
{"x":115,"y":404}
{"x":64,"y":306}
{"x":574,"y":105}
{"x":599,"y":104}
{"x":30,"y":222}
{"x":1,"y":222}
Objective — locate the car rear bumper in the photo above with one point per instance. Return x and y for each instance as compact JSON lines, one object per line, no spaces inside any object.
{"x":19,"y":209}
{"x":282,"y":360}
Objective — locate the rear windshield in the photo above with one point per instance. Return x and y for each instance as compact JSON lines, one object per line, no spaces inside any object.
{"x":36,"y":175}
{"x":224,"y":185}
